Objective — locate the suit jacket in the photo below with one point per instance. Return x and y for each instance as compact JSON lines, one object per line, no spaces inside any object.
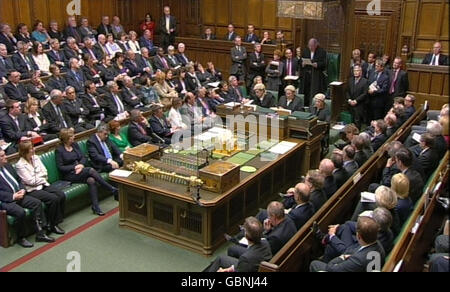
{"x":6,"y":68}
{"x":401,"y":85}
{"x":378,"y":98}
{"x":6,"y":193}
{"x":233,"y":95}
{"x":322,"y":114}
{"x":280,"y":234}
{"x":95,"y":109}
{"x":31,"y":124}
{"x":102,"y":29}
{"x":340,"y":177}
{"x":57,"y":57}
{"x":145,"y":43}
{"x":295,"y":105}
{"x":274,"y":76}
{"x":191,"y":82}
{"x":11,"y":132}
{"x":173,"y":61}
{"x":54,"y":83}
{"x":358,"y":91}
{"x":134,"y":68}
{"x":69,"y":53}
{"x":132,"y":98}
{"x":136,"y":138}
{"x":95,"y":50}
{"x":443,"y":59}
{"x":294,"y":67}
{"x":416,"y":184}
{"x":251,"y":38}
{"x":10,"y":43}
{"x":267,"y":102}
{"x":257,"y":66}
{"x":172,"y":25}
{"x":53,"y":120}
{"x":253,"y":256}
{"x":429,"y":161}
{"x":107,"y":73}
{"x":317,"y":199}
{"x":238,"y":59}
{"x":378,"y":141}
{"x":18,"y":93}
{"x":162,"y":130}
{"x":77,"y":83}
{"x":40,"y":93}
{"x":158,"y":62}
{"x":98,"y":157}
{"x":112,"y":108}
{"x":351,"y":167}
{"x":440,"y":146}
{"x":358,"y":262}
{"x":66,"y":163}
{"x":329,"y":187}
{"x":73,"y":32}
{"x":231,"y":37}
{"x":183,"y":59}
{"x":75,"y":110}
{"x":22,"y":67}
{"x":300,"y":214}
{"x":360,"y":158}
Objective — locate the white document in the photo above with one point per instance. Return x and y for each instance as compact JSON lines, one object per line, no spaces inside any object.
{"x":232,"y":104}
{"x":282,"y":147}
{"x":367,"y":213}
{"x":336,"y":83}
{"x":4,"y":147}
{"x":214,"y":84}
{"x":306,"y":61}
{"x":367,"y":197}
{"x":243,"y":241}
{"x":291,"y":77}
{"x":338,"y":127}
{"x":121,"y":173}
{"x":416,"y":137}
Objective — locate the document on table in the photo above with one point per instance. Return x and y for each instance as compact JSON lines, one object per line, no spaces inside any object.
{"x":121,"y":173}
{"x":282,"y":147}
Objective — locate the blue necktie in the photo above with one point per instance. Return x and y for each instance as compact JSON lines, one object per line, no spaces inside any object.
{"x":11,"y":180}
{"x":106,"y":150}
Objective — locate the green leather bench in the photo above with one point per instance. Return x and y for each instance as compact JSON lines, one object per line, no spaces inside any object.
{"x":77,"y":196}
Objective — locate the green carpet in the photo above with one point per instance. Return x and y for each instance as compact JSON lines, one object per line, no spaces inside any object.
{"x":106,"y":247}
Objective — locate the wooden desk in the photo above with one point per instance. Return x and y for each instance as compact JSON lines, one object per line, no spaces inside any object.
{"x":429,"y":83}
{"x":166,"y":211}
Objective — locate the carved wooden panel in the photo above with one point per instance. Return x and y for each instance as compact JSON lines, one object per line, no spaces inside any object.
{"x":427,"y":20}
{"x":373,"y":33}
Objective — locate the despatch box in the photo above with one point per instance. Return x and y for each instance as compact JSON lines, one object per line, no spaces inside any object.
{"x":143,"y":152}
{"x":301,"y":123}
{"x":220,"y":176}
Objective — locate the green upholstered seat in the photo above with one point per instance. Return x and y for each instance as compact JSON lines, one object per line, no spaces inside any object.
{"x":49,"y":161}
{"x":275,"y":95}
{"x":124,"y":130}
{"x":244,"y":91}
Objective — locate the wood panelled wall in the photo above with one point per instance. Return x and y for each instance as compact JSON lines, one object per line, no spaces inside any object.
{"x":423,"y":23}
{"x":14,"y":12}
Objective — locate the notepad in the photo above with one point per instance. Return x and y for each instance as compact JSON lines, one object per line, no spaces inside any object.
{"x":367,"y":197}
{"x":121,"y":173}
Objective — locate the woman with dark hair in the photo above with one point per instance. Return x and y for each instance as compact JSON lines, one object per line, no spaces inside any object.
{"x":118,"y":64}
{"x":91,"y":71}
{"x":40,"y":58}
{"x":118,"y":138}
{"x":34,"y":176}
{"x":111,"y":46}
{"x":40,"y":34}
{"x":71,"y":164}
{"x":148,"y":23}
{"x":169,"y":78}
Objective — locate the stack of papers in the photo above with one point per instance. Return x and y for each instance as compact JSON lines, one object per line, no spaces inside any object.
{"x":121,"y":173}
{"x":367,"y":197}
{"x":232,"y":104}
{"x":282,"y":147}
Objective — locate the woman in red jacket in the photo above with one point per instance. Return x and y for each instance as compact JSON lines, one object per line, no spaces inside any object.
{"x":148,"y":23}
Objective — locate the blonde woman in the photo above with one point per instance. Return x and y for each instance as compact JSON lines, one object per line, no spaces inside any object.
{"x":400,"y":185}
{"x":165,"y":92}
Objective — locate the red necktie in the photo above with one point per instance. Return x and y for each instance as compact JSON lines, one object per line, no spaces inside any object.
{"x":164,"y":62}
{"x":394,"y":82}
{"x":289,"y":67}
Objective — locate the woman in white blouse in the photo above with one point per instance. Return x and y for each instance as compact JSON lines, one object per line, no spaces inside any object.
{"x":174,"y":117}
{"x":40,"y":58}
{"x":111,"y":46}
{"x":35,"y":178}
{"x":133,"y":43}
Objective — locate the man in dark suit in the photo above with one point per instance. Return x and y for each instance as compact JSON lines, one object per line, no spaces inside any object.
{"x":436,"y":58}
{"x":290,"y":101}
{"x":145,"y":41}
{"x":409,"y":105}
{"x":73,"y":107}
{"x":104,"y":155}
{"x":57,"y":56}
{"x":357,"y":95}
{"x":235,"y":93}
{"x":7,"y":38}
{"x":326,"y":167}
{"x":6,"y":65}
{"x":339,"y":173}
{"x":135,"y":68}
{"x":91,"y":50}
{"x":172,"y":58}
{"x":314,"y":80}
{"x":361,"y":258}
{"x":160,"y":125}
{"x":13,"y":125}
{"x":132,"y":97}
{"x":370,"y":64}
{"x":182,"y":58}
{"x":238,"y":59}
{"x":258,"y":251}
{"x":167,"y":28}
{"x":23,"y":62}
{"x":14,"y":200}
{"x":403,"y":161}
{"x":56,"y":81}
{"x":139,"y":130}
{"x":378,"y":134}
{"x":427,"y":157}
{"x":160,"y":61}
{"x":303,"y":210}
{"x":56,"y":118}
{"x":378,"y":91}
{"x":251,"y":37}
{"x":93,"y":103}
{"x":360,"y":155}
{"x":75,"y":76}
{"x":399,"y":83}
{"x":14,"y":89}
{"x":208,"y":35}
{"x":115,"y":103}
{"x":257,"y":65}
{"x":290,"y":68}
{"x":104,"y":28}
{"x":278,"y":229}
{"x":231,"y":34}
{"x":71,"y":50}
{"x":72,"y":31}
{"x":348,"y":155}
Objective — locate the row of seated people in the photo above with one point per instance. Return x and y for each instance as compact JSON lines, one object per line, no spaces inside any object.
{"x":393,"y":203}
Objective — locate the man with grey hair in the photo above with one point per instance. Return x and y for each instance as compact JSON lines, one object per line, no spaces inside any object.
{"x":132,"y":98}
{"x":314,"y":75}
{"x":7,"y":38}
{"x":140,"y":131}
{"x":6,"y":65}
{"x":76,"y":111}
{"x":104,"y":27}
{"x":257,"y":65}
{"x":172,"y":58}
{"x":104,"y":155}
{"x":55,"y":55}
{"x":72,"y":50}
{"x":435,"y":129}
{"x":56,"y":118}
{"x":75,"y":76}
{"x":115,"y":110}
{"x":22,"y":60}
{"x":182,"y":58}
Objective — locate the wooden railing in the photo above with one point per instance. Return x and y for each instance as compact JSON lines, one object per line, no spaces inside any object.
{"x":303,"y":247}
{"x":413,"y":243}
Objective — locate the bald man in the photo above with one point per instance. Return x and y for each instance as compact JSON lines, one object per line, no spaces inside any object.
{"x":436,"y":58}
{"x":326,"y":167}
